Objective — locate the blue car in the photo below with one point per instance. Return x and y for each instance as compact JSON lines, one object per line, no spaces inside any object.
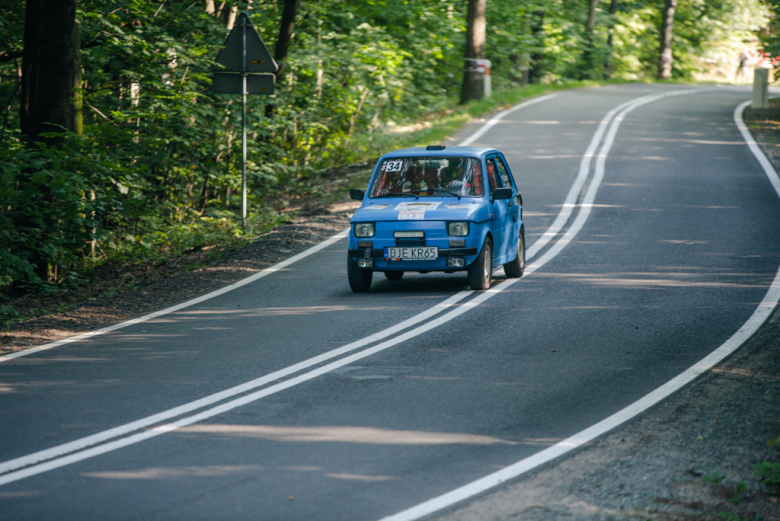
{"x":437,"y":208}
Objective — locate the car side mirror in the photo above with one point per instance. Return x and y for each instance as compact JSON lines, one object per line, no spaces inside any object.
{"x":357,"y":194}
{"x":502,"y":193}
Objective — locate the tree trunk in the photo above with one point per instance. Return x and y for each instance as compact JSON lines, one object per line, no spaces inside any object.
{"x":537,"y":55}
{"x":204,"y":196}
{"x":608,"y":63}
{"x":27,"y":80}
{"x":283,"y":43}
{"x":52,"y":50}
{"x":47,"y":88}
{"x":475,"y":50}
{"x":587,"y":55}
{"x":77,"y":111}
{"x":665,"y":51}
{"x":285,"y":34}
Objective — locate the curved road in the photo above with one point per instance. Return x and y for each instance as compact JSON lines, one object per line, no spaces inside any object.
{"x":680,"y":246}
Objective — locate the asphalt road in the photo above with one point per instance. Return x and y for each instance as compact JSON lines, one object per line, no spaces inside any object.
{"x":679,"y":248}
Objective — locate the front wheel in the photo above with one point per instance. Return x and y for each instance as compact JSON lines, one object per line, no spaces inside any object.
{"x":481,"y":269}
{"x":359,"y":279}
{"x":515,"y":269}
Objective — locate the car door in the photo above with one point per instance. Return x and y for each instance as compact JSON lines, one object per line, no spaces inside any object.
{"x":499,"y":211}
{"x":513,"y":204}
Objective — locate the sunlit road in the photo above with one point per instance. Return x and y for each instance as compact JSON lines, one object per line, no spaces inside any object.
{"x":682,"y":243}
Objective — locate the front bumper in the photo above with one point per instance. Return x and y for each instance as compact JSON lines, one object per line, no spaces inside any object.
{"x":434,"y":234}
{"x":440,"y":264}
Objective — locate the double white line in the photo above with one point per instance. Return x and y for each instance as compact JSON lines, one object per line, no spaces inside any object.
{"x":610,"y":125}
{"x":152,"y":426}
{"x":755,"y":321}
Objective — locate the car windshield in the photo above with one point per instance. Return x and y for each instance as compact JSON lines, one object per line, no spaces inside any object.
{"x":428,"y":176}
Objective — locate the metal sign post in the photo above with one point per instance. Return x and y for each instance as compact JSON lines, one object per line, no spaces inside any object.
{"x":242,"y":24}
{"x":245,"y":66}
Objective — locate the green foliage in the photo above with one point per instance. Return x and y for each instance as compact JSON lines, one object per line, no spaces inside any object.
{"x":46,"y":207}
{"x":769,"y":472}
{"x":715,"y":477}
{"x":770,"y":36}
{"x":7,"y":312}
{"x":736,"y":495}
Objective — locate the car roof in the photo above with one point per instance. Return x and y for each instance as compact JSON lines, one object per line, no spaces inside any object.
{"x":447,"y":152}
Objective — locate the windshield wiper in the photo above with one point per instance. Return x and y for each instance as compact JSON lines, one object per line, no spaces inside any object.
{"x":398,"y":194}
{"x":454,"y":194}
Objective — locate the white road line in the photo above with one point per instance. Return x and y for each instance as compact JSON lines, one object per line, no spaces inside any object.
{"x":259,"y":275}
{"x":128,"y":428}
{"x":755,"y":321}
{"x":123,"y":430}
{"x":576,"y":188}
{"x":61,"y":455}
{"x":243,"y":282}
{"x":762,"y":160}
{"x":498,"y":117}
{"x":598,"y":175}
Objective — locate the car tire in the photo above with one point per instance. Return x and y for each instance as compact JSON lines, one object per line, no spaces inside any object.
{"x":515,"y":269}
{"x":394,"y":275}
{"x":359,"y":278}
{"x":481,"y":270}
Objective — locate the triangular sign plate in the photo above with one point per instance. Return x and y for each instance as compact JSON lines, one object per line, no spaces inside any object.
{"x":258,"y":59}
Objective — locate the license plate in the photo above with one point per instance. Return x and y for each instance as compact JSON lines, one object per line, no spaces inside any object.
{"x":412,"y":253}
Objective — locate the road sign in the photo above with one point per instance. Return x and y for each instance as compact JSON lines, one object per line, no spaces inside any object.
{"x":233,"y":83}
{"x":241,"y":64}
{"x":257,"y":57}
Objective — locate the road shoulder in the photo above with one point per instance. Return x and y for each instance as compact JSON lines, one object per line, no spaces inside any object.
{"x":690,"y":457}
{"x":693,"y":456}
{"x":149,"y":288}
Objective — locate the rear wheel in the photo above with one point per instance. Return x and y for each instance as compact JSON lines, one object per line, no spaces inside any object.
{"x":516,"y":268}
{"x":359,"y":279}
{"x":481,"y":269}
{"x":394,"y":275}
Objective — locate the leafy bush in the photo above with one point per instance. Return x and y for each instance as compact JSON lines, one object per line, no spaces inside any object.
{"x":48,"y":208}
{"x":769,"y":473}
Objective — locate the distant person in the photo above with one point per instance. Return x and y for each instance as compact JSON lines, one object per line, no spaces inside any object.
{"x":743,"y":58}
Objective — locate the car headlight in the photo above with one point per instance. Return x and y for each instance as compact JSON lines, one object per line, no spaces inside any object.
{"x":458,"y":229}
{"x":364,"y":230}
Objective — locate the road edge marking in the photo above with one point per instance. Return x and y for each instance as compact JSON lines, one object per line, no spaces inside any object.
{"x":127,"y":428}
{"x":252,"y":278}
{"x":243,"y":282}
{"x":78,"y":450}
{"x":481,"y":131}
{"x":759,"y":316}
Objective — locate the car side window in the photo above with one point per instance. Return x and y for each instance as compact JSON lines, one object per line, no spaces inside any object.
{"x":491,"y":173}
{"x":504,"y":173}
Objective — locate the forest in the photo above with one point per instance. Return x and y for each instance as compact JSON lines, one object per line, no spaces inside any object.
{"x":116,"y":149}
